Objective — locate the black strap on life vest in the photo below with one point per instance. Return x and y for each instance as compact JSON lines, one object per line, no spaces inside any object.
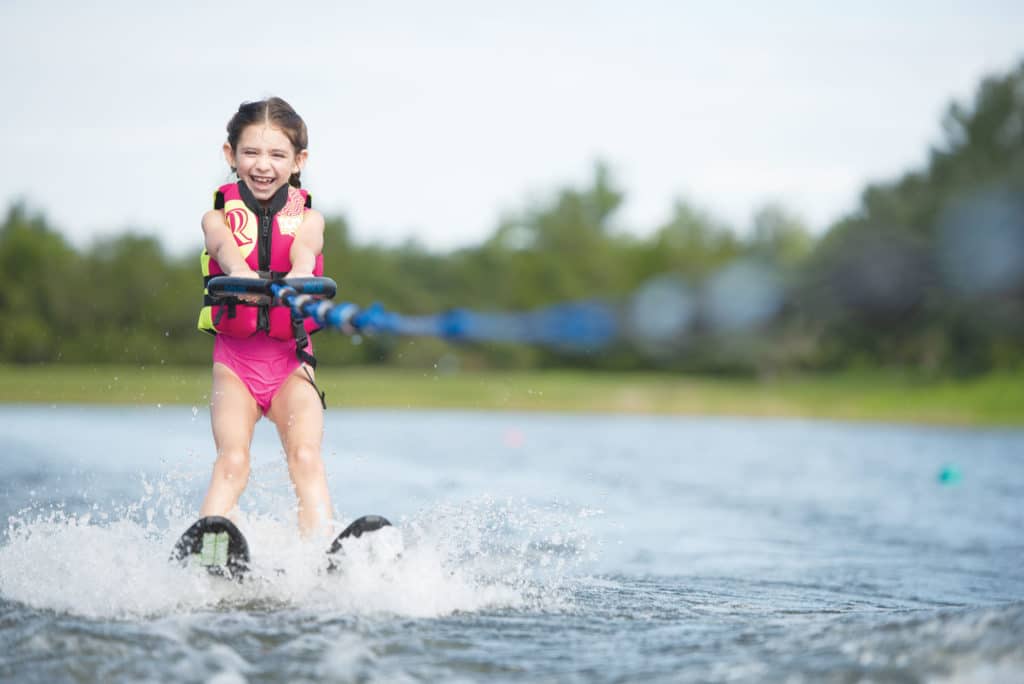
{"x":301,"y":345}
{"x":228,"y":306}
{"x":264,"y":236}
{"x":302,"y":342}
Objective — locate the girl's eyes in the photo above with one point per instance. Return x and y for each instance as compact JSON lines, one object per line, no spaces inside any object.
{"x":255,"y":153}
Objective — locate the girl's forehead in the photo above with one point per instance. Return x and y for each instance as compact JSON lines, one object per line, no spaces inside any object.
{"x":264,"y":135}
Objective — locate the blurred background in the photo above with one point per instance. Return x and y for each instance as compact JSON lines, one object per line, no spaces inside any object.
{"x":786,"y":188}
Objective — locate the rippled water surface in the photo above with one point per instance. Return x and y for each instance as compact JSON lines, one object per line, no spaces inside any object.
{"x":526,"y":548}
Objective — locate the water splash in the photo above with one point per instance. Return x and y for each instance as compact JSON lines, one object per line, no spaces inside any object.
{"x":452,"y":557}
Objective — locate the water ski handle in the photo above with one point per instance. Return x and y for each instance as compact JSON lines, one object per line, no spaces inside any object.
{"x":580,"y":325}
{"x":230,"y":286}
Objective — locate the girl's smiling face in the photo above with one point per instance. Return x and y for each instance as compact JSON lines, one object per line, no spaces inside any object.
{"x":265,"y":159}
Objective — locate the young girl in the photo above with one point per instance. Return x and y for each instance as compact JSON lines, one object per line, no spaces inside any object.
{"x":263,"y":226}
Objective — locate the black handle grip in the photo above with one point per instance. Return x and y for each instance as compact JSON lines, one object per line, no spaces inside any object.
{"x":228,"y":286}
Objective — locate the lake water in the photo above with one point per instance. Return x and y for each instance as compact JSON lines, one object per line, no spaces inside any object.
{"x":527,"y":548}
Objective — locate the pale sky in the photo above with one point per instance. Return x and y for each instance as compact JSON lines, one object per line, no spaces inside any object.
{"x":432,"y":119}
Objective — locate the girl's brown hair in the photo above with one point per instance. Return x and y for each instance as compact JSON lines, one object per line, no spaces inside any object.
{"x":276,"y":112}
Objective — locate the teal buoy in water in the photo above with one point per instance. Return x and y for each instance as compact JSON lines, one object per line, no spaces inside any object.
{"x":949,"y":474}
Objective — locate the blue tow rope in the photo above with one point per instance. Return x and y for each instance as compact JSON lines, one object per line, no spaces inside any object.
{"x":577,"y":326}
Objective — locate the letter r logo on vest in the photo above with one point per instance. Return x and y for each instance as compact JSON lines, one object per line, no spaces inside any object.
{"x":237,"y":220}
{"x":242,"y":223}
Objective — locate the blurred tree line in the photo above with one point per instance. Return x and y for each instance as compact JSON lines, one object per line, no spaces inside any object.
{"x":927,"y":274}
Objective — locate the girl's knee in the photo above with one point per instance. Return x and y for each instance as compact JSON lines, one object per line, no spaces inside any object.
{"x":305,"y":461}
{"x":233,"y":464}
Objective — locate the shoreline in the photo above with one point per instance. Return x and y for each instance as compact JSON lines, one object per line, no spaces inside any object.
{"x":992,"y":400}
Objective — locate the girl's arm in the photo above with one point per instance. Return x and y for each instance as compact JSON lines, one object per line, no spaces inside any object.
{"x":221,"y":246}
{"x":308,"y":243}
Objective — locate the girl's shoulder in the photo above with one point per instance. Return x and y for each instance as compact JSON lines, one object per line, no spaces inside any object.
{"x":313,"y":218}
{"x":213,"y":217}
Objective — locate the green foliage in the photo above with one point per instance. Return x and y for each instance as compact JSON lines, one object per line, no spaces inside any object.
{"x":907,"y":280}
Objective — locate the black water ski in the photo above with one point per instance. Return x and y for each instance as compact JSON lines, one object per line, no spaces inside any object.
{"x":359,"y":527}
{"x":216,"y":544}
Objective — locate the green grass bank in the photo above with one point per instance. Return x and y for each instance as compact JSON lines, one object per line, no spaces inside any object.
{"x":996,"y":399}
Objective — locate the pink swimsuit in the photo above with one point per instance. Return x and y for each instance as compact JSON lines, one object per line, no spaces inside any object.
{"x":261,"y":362}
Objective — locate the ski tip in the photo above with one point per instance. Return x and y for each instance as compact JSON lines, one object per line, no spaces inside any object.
{"x":216,"y":543}
{"x":359,"y":527}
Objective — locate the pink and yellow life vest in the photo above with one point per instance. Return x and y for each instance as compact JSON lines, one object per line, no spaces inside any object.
{"x":264,"y":234}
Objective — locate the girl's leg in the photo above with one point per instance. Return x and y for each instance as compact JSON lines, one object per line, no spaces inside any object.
{"x":233,"y":414}
{"x":299,"y":417}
